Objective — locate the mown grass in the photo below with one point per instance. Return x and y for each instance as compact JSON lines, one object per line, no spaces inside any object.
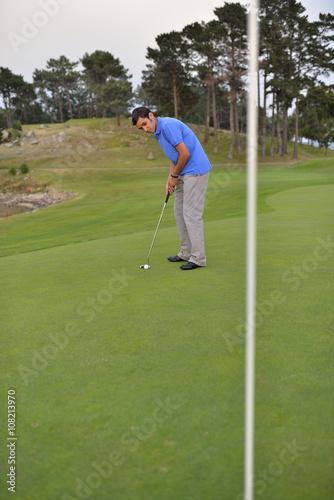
{"x":130,"y":383}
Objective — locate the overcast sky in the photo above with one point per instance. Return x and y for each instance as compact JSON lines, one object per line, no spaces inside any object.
{"x":33,"y":31}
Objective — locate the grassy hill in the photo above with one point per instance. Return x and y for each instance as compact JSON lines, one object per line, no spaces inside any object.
{"x":107,"y":143}
{"x":130,"y":383}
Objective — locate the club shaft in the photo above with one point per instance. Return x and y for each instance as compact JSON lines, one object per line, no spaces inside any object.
{"x":156,"y":231}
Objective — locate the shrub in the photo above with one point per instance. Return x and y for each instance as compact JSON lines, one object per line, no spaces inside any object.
{"x":16,"y":125}
{"x":13,"y":134}
{"x":12,"y":171}
{"x":24,"y":169}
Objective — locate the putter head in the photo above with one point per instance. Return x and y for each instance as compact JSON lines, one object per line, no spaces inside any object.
{"x":146,"y":266}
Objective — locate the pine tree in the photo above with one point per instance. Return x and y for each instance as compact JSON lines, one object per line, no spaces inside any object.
{"x":204,"y":50}
{"x":40,"y":83}
{"x":232,"y":18}
{"x":167,"y":78}
{"x":104,"y":75}
{"x":15,"y":93}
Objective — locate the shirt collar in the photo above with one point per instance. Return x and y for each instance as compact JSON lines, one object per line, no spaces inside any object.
{"x":158,"y":129}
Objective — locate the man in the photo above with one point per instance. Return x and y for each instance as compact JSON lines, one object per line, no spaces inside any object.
{"x":188,"y":177}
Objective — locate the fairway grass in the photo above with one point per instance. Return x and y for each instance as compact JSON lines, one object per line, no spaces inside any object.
{"x":130,"y":383}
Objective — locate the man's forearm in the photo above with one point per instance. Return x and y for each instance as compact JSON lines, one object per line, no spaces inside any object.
{"x":181,"y":162}
{"x":174,"y":170}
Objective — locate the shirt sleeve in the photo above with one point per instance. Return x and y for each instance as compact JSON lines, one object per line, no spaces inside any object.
{"x":173,"y":134}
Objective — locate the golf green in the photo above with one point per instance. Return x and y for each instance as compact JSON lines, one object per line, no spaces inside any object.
{"x":129,"y":383}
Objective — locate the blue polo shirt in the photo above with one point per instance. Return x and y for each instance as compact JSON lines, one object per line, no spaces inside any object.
{"x":169,"y":133}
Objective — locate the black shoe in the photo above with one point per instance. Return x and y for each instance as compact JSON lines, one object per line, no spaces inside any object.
{"x":175,"y":259}
{"x":189,"y":265}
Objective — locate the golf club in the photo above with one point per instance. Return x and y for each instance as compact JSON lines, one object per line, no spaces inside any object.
{"x":147,"y":266}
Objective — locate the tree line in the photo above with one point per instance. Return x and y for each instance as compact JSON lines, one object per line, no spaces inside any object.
{"x":206,"y":64}
{"x":60,"y":92}
{"x":199,"y":74}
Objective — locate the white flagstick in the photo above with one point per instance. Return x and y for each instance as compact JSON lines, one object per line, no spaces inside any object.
{"x":251,"y":249}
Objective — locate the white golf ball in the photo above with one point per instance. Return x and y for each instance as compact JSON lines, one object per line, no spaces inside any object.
{"x":146,"y":266}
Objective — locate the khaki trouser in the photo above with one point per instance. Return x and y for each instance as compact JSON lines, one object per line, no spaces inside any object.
{"x":188,"y":209}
